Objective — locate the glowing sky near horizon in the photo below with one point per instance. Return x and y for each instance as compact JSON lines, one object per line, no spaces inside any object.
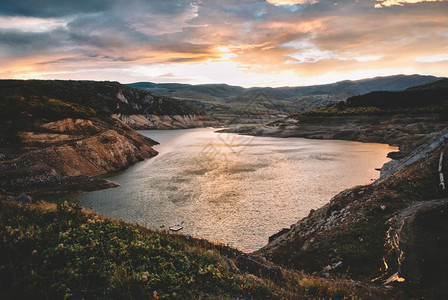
{"x":239,"y":42}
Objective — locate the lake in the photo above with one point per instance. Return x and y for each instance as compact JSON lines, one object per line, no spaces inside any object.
{"x":234,"y":189}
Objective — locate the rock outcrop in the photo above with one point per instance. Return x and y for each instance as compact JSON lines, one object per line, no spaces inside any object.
{"x":394,"y":166}
{"x":157,"y":112}
{"x":64,"y":155}
{"x":167,"y":121}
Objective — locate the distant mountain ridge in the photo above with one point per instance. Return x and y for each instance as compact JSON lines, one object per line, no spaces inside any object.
{"x":224,"y":91}
{"x":437,"y":85}
{"x":213,"y":90}
{"x":281,"y":100}
{"x":428,"y":98}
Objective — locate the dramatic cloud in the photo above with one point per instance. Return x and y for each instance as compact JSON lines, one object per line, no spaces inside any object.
{"x":401,"y":2}
{"x":251,"y":42}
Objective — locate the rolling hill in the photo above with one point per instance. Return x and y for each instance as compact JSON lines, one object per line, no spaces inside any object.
{"x":225,"y":100}
{"x":52,"y":99}
{"x":429,"y":98}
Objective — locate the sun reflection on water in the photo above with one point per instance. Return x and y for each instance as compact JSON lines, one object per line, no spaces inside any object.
{"x":235,"y":189}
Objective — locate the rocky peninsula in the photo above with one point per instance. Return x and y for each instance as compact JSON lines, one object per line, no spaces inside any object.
{"x":67,"y":154}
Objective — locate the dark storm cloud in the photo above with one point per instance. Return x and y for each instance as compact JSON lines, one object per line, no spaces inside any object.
{"x":51,"y":8}
{"x":60,"y":8}
{"x":16,"y":43}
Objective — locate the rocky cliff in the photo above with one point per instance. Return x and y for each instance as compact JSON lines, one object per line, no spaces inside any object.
{"x":64,"y":155}
{"x":168,"y":121}
{"x":153,"y":115}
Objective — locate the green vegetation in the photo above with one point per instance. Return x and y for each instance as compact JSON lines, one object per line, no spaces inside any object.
{"x":427,"y":99}
{"x":42,"y":107}
{"x":66,"y":253}
{"x":103,"y":97}
{"x":19,"y":113}
{"x":60,"y":251}
{"x":335,"y":110}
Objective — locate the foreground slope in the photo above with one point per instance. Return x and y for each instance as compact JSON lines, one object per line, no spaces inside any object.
{"x":56,"y":252}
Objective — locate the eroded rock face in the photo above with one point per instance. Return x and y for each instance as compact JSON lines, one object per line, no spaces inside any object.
{"x":167,"y":121}
{"x":36,"y":140}
{"x":72,"y":126}
{"x":70,"y":152}
{"x":97,"y":155}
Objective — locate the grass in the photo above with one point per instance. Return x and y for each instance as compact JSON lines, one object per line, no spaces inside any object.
{"x":411,"y":101}
{"x":50,"y":98}
{"x":63,"y":252}
{"x":66,"y":253}
{"x":53,"y":109}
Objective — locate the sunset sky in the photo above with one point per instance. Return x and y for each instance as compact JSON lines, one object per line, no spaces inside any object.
{"x":238,"y":42}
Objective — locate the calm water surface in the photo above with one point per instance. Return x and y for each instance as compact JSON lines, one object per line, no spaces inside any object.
{"x":235,"y":189}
